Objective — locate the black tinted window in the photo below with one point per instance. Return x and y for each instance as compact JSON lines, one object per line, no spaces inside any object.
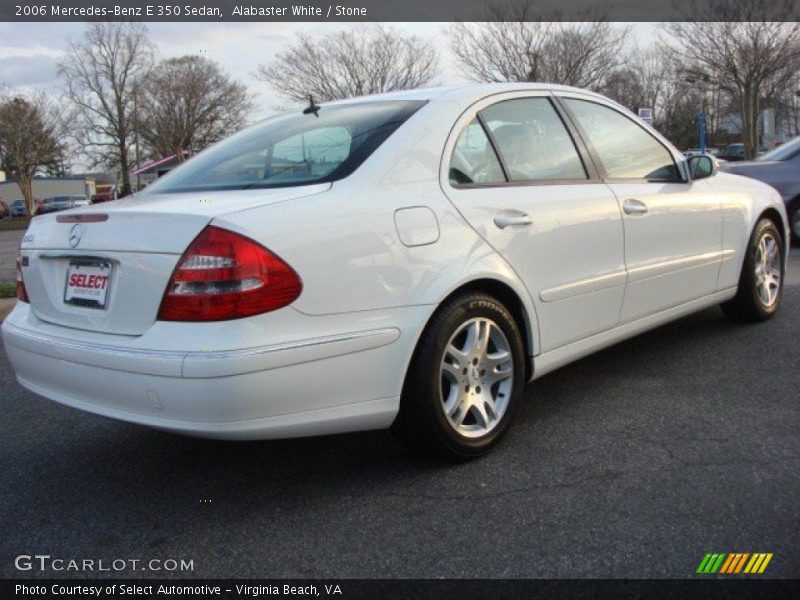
{"x":533,"y":141}
{"x":292,"y":149}
{"x":626,"y":150}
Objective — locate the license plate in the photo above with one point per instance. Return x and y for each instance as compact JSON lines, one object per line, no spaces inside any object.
{"x":87,"y":284}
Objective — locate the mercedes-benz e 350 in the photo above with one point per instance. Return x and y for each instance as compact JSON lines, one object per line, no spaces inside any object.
{"x":409,"y":260}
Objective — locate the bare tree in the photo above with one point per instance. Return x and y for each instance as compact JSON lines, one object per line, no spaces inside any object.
{"x":679,"y":107}
{"x":101,"y":74}
{"x":351,"y":63}
{"x":787,"y":104}
{"x":743,"y":58}
{"x":188,"y":103}
{"x":31,"y":141}
{"x":513,"y":43}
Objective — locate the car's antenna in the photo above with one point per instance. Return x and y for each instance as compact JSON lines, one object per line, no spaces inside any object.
{"x":312,"y":107}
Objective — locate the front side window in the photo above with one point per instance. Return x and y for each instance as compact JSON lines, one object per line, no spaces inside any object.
{"x":533,"y":141}
{"x":474,"y":160}
{"x":292,"y":149}
{"x":626,"y":150}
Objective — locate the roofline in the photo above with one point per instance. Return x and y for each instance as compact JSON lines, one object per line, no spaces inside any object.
{"x":479,"y":89}
{"x":157,"y":163}
{"x":40,"y":178}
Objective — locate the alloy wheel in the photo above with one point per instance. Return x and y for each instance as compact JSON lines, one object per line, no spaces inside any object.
{"x":477,"y":375}
{"x":768,"y":270}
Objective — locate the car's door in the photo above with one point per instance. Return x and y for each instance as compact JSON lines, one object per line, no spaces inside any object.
{"x":517,"y":175}
{"x":673,"y":228}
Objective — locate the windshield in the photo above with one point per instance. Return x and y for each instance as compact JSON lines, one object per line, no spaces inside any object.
{"x":292,"y":149}
{"x":784,"y":152}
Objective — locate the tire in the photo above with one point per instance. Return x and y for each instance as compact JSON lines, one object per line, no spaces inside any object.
{"x":761,"y":280}
{"x":459,"y":395}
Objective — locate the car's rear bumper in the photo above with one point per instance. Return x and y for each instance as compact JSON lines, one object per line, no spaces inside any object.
{"x":308,"y":387}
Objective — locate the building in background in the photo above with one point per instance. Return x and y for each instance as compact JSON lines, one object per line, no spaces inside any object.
{"x":143,"y":177}
{"x":48,"y":187}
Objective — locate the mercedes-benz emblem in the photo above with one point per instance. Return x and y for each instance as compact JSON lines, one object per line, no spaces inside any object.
{"x":75,"y":235}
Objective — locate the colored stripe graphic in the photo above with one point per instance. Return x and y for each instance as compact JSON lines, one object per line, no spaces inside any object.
{"x":741,"y":562}
{"x":718,"y":562}
{"x":704,"y":563}
{"x":755,"y":562}
{"x":727,"y":564}
{"x":764,"y":564}
{"x":711,"y":563}
{"x":734,"y":563}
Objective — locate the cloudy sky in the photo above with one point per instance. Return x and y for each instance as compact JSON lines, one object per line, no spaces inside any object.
{"x":29,"y":52}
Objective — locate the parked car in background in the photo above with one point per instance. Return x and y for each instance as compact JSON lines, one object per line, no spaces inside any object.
{"x":47,"y":205}
{"x":105,"y":193}
{"x":781,"y":169}
{"x":18,"y":208}
{"x":58,"y":203}
{"x":5,"y":211}
{"x":410,"y":260}
{"x":732,"y":152}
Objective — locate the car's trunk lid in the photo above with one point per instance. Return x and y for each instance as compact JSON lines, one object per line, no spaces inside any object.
{"x":136,"y":242}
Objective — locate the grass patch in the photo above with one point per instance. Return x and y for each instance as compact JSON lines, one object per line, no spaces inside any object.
{"x":8,"y":289}
{"x":7,"y":223}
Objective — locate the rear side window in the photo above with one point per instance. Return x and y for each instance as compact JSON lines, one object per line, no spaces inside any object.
{"x":533,"y":141}
{"x":626,"y":150}
{"x":474,"y":160}
{"x":292,"y":149}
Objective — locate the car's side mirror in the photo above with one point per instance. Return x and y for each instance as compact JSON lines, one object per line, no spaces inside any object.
{"x":702,"y":166}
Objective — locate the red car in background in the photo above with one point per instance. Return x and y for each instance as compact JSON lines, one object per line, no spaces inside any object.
{"x":105,"y":193}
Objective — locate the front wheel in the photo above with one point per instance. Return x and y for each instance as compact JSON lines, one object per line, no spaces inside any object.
{"x":761,"y":281}
{"x":464,"y":381}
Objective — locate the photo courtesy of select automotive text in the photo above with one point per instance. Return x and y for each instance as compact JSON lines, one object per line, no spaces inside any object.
{"x":399,"y":299}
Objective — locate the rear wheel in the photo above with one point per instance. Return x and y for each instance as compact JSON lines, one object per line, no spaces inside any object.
{"x":464,"y":381}
{"x":761,"y":281}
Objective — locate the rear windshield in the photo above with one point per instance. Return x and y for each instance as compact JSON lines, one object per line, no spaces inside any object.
{"x":292,"y":149}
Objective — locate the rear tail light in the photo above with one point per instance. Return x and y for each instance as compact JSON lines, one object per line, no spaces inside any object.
{"x":22,"y":293}
{"x":224,"y":275}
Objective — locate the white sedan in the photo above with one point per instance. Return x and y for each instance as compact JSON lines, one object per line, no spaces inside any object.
{"x":408,"y":260}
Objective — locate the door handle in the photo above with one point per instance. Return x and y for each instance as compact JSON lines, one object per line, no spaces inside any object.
{"x":509,"y":218}
{"x":632,"y":206}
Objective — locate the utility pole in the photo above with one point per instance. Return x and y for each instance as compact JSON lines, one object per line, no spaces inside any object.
{"x":136,"y":133}
{"x":702,"y":80}
{"x":533,"y":59}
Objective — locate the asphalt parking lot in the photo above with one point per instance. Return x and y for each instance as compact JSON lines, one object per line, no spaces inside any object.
{"x":633,"y":462}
